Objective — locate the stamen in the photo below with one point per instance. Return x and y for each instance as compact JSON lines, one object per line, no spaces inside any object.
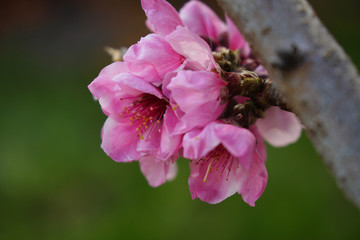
{"x":142,"y":111}
{"x":208,"y":171}
{"x":220,"y":160}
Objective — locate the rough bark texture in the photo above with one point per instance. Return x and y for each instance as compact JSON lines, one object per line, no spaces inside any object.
{"x":313,"y":73}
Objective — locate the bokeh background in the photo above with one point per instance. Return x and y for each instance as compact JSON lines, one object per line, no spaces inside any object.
{"x":56,"y":182}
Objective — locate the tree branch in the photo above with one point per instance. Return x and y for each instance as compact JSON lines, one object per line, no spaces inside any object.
{"x":313,"y":73}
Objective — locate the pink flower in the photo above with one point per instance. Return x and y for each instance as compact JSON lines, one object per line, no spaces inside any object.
{"x":139,"y":121}
{"x":225,"y":159}
{"x":166,"y":98}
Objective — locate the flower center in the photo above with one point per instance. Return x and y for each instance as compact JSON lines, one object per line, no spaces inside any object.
{"x":219,"y":161}
{"x":146,"y":113}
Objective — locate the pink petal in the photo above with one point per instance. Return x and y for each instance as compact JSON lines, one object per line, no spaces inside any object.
{"x":215,"y":178}
{"x":169,"y":144}
{"x":104,"y":83}
{"x":166,"y":82}
{"x":119,"y":141}
{"x":279,"y":127}
{"x":240,"y":142}
{"x":149,"y":25}
{"x":153,"y":51}
{"x":112,"y":105}
{"x":171,"y":174}
{"x":161,"y":15}
{"x":128,"y":87}
{"x":107,"y":90}
{"x":201,"y":20}
{"x":260,"y":70}
{"x":199,"y":142}
{"x":253,"y":181}
{"x":193,"y":48}
{"x":260,"y":147}
{"x":236,"y":39}
{"x":146,"y":71}
{"x":197,"y":118}
{"x":197,"y":95}
{"x":155,"y":171}
{"x":133,"y":85}
{"x":215,"y":189}
{"x":151,"y":145}
{"x":191,"y":88}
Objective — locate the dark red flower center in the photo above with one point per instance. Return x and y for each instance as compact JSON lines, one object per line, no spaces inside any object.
{"x":146,"y":113}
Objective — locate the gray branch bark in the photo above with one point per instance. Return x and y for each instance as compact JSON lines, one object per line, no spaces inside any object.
{"x":314,"y":75}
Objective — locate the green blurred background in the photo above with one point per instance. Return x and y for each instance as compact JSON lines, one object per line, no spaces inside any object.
{"x":56,"y":182}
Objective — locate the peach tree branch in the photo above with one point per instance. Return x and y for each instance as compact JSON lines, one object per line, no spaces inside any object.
{"x":314,"y":75}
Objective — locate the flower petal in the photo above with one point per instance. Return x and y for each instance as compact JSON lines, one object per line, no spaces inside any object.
{"x":119,"y":141}
{"x":201,"y":20}
{"x":152,"y":144}
{"x":108,"y":91}
{"x":261,"y":71}
{"x":166,"y":81}
{"x":126,"y":85}
{"x":156,"y":172}
{"x":191,"y":88}
{"x":149,"y":25}
{"x":154,"y":51}
{"x":161,"y":15}
{"x":133,"y":85}
{"x":253,"y":180}
{"x":211,"y":187}
{"x":217,"y":173}
{"x":104,"y":83}
{"x":172,"y":172}
{"x":169,"y":144}
{"x":240,"y":142}
{"x":199,"y":142}
{"x":197,"y":95}
{"x":236,"y":39}
{"x":193,"y":48}
{"x":260,"y":147}
{"x":279,"y":127}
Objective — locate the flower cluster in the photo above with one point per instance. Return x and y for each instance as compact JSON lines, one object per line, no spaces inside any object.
{"x":174,"y":95}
